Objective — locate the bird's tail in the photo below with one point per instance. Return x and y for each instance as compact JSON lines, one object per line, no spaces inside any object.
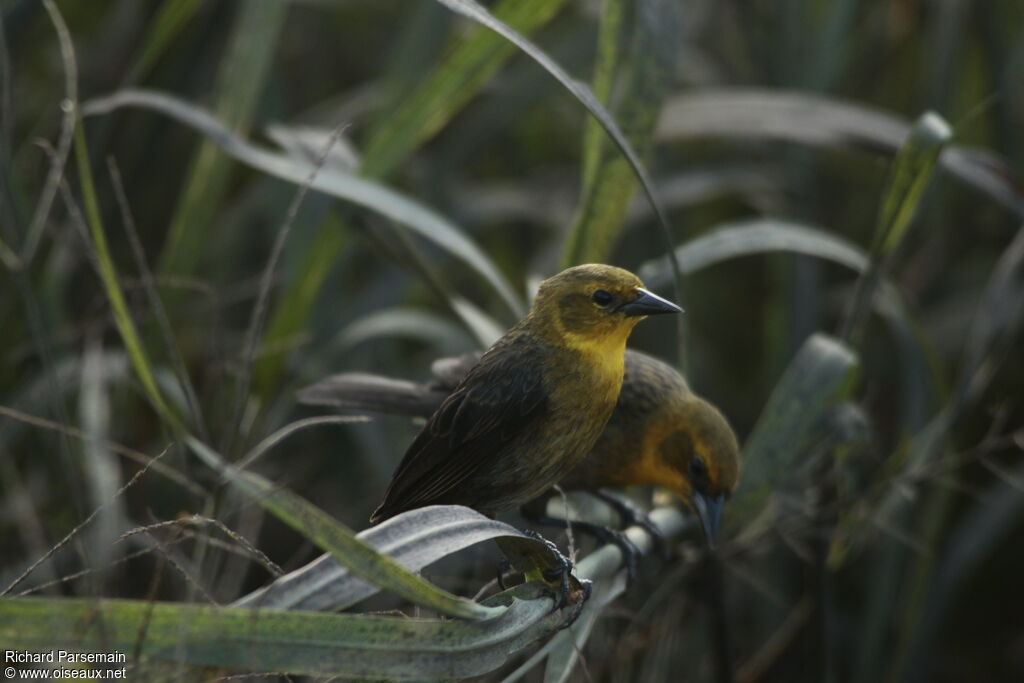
{"x":379,"y":394}
{"x":363,"y":391}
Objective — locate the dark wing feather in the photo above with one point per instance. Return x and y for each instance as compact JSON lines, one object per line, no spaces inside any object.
{"x":502,"y":397}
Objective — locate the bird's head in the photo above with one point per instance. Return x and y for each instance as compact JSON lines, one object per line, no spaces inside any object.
{"x":594,"y":305}
{"x":702,"y":453}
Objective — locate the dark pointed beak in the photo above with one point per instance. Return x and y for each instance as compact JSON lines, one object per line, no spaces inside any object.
{"x":648,"y":303}
{"x":709,"y":509}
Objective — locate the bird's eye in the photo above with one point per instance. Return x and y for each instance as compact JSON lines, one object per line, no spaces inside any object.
{"x":601,"y":297}
{"x":698,"y":469}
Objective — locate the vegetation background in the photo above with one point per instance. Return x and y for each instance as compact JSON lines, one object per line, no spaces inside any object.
{"x":167,"y":273}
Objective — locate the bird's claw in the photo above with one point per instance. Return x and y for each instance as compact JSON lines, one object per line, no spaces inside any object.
{"x":561,"y":574}
{"x":632,"y":514}
{"x":630,"y":553}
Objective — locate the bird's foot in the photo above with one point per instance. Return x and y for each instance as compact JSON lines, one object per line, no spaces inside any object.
{"x":633,"y":515}
{"x":561,"y":574}
{"x":630,"y":553}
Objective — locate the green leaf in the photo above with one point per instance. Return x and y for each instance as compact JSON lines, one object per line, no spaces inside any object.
{"x":405,"y":322}
{"x":368,"y":193}
{"x":580,"y":91}
{"x":747,"y":238}
{"x":763,"y":236}
{"x":608,"y":181}
{"x":754,"y":113}
{"x":469,"y":64}
{"x":911,"y":170}
{"x":821,"y":374}
{"x":605,"y":567}
{"x":346,"y":645}
{"x":414,"y":539}
{"x":341,"y":542}
{"x":163,"y":30}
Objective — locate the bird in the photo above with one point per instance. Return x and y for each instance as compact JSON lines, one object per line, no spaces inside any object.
{"x":660,"y":433}
{"x":534,"y":404}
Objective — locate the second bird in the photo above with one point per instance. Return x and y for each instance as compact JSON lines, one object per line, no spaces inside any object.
{"x":534,"y":405}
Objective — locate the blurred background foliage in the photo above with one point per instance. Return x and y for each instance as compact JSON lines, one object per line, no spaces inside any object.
{"x":451,"y":174}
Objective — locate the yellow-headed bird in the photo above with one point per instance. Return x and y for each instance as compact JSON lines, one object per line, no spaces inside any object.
{"x":663,"y":434}
{"x":530,"y":410}
{"x":660,"y":433}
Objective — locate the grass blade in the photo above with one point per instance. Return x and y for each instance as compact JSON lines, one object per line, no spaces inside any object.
{"x":583,"y":94}
{"x":608,"y":181}
{"x":103,"y":474}
{"x":368,"y":193}
{"x":361,"y":558}
{"x":115,"y":295}
{"x":468,"y":65}
{"x":912,"y":169}
{"x":752,"y":113}
{"x":167,"y":25}
{"x":240,"y":80}
{"x":400,"y":322}
{"x":67,"y":130}
{"x":758,"y":236}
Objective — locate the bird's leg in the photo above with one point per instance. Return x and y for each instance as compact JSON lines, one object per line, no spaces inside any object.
{"x":560,"y":573}
{"x":633,"y":515}
{"x":503,"y":566}
{"x":630,"y":553}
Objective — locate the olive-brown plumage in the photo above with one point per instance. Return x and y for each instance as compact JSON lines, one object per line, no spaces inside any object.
{"x":660,"y":433}
{"x":663,"y":434}
{"x":534,"y":404}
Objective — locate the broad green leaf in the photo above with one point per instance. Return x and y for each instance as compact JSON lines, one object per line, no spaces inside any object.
{"x":762,"y":236}
{"x":414,"y":540}
{"x":368,"y":193}
{"x":821,"y":374}
{"x":348,"y":645}
{"x":754,"y":113}
{"x":758,"y":236}
{"x":341,"y":542}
